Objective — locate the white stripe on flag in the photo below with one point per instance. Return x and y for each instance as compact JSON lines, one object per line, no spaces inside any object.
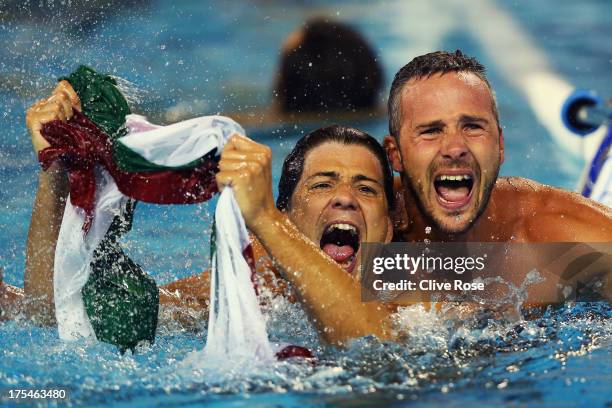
{"x":181,"y":143}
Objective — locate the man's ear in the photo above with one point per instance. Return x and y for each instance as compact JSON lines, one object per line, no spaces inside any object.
{"x":392,"y":149}
{"x":501,"y":146}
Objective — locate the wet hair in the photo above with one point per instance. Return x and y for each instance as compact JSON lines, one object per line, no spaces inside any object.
{"x":332,"y":69}
{"x":293,"y":166}
{"x":441,"y":62}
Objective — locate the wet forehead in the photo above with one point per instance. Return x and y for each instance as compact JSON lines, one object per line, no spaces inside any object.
{"x":346,"y":160}
{"x":443,"y":96}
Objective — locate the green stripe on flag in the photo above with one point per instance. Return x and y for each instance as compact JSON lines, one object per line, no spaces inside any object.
{"x":101,"y":100}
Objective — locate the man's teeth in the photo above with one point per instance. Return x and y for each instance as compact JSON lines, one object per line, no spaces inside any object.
{"x":345,"y":227}
{"x":458,"y":177}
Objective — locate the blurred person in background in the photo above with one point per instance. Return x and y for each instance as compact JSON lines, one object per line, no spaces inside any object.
{"x":327,"y":71}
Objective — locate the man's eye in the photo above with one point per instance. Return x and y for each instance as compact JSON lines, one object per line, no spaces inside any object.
{"x":367,"y":190}
{"x":431,"y":131}
{"x":473,"y":126}
{"x":320,"y":186}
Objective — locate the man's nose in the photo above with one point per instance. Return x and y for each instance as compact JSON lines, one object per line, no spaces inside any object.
{"x":344,"y":199}
{"x":453,"y":145}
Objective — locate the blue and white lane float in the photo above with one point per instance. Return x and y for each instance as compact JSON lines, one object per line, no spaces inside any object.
{"x":586,"y":114}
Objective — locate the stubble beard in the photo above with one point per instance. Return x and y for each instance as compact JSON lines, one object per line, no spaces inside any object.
{"x":418,"y":194}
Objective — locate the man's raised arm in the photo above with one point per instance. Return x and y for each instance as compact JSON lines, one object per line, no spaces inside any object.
{"x":48,"y":206}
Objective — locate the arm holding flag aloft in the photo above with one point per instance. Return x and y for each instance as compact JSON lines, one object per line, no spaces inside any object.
{"x":331,"y":296}
{"x":48,"y":206}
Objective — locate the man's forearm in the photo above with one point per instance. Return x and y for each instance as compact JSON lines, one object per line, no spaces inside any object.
{"x":331,"y":296}
{"x":44,"y":229}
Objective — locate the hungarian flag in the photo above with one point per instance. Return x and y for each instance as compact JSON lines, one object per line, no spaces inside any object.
{"x":113,"y":157}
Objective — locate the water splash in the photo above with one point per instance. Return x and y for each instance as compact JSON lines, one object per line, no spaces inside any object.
{"x":134,"y":94}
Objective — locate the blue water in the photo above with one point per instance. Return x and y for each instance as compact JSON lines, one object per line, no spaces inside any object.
{"x":204,"y":57}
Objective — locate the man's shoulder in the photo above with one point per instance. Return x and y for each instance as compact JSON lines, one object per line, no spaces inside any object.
{"x":515,"y":200}
{"x":549,"y":214}
{"x":523,"y":187}
{"x":521,"y":196}
{"x":534,"y":196}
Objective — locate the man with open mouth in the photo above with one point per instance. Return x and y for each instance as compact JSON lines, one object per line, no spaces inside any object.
{"x":336,"y":188}
{"x":447,"y":143}
{"x":335,"y":193}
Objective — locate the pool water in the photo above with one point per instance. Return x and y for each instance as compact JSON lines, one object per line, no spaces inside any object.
{"x":556,"y":360}
{"x":204,"y":57}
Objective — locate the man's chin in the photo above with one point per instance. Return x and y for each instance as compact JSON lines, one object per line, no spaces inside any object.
{"x":454,"y":223}
{"x":452,"y":228}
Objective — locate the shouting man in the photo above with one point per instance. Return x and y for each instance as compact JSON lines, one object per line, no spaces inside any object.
{"x":447,"y":143}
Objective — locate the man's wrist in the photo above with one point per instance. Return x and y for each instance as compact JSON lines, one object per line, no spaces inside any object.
{"x":265,"y":223}
{"x":55,"y":178}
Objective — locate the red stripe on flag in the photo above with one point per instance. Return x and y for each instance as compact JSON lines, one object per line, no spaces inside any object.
{"x":80,"y":144}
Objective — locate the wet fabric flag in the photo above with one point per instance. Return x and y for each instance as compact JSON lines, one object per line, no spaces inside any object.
{"x":75,"y":248}
{"x":83,"y":147}
{"x":141,"y":161}
{"x":236,"y":328}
